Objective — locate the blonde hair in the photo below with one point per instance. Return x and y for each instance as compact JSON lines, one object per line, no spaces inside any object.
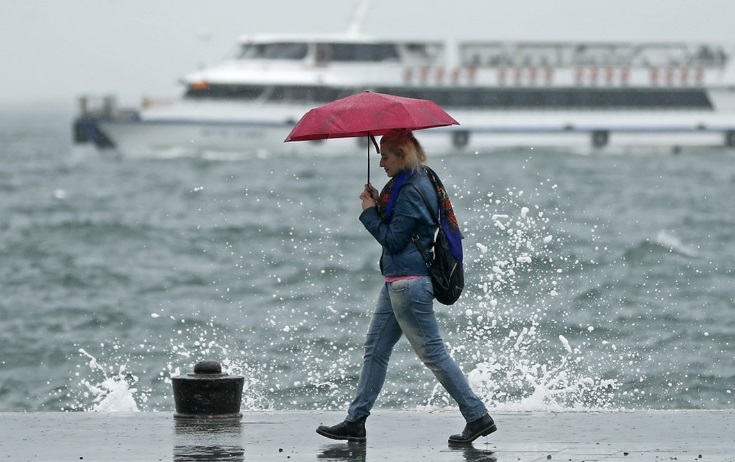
{"x":403,"y":144}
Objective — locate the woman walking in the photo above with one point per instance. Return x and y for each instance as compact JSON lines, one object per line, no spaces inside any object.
{"x":396,"y":217}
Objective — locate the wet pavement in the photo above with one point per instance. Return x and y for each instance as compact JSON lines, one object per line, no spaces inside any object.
{"x":410,"y":436}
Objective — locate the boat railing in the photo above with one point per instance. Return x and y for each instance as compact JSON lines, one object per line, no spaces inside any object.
{"x":571,"y":76}
{"x":559,"y":55}
{"x":103,"y":107}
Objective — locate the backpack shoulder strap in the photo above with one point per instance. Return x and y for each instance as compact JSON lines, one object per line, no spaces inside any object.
{"x":431,"y":210}
{"x":415,"y":237}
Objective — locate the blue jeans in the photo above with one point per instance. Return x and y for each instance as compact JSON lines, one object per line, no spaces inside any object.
{"x":406,"y":307}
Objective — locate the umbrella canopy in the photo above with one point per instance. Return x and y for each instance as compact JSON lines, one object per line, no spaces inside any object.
{"x":368,"y":114}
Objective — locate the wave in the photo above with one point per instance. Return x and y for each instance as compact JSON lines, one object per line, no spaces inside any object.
{"x":674,"y":244}
{"x":663,"y":243}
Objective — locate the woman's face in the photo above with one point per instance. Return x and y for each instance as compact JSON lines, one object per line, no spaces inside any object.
{"x":390,"y":162}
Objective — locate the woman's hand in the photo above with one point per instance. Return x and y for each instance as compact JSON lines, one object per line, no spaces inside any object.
{"x":369,"y":197}
{"x":372,"y":191}
{"x":367,"y":201}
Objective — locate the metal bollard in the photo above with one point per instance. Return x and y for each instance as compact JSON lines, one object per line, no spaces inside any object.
{"x":208,"y":394}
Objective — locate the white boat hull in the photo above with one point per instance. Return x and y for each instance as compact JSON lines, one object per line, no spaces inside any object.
{"x":578,"y":132}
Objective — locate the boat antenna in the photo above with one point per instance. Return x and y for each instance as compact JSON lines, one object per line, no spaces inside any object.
{"x":358,"y":14}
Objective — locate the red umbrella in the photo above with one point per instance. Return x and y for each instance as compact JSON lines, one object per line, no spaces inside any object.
{"x":368,"y":114}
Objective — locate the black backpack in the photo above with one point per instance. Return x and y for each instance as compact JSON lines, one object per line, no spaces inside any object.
{"x":447,"y":273}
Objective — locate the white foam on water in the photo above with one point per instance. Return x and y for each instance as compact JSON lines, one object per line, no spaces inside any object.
{"x":674,"y":244}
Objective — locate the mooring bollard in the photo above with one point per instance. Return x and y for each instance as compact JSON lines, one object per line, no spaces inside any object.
{"x":208,"y":394}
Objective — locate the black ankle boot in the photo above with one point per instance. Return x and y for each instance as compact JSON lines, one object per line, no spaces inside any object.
{"x":350,"y":431}
{"x":473,"y":430}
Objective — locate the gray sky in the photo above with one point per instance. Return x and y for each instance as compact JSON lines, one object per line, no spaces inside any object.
{"x":55,"y":50}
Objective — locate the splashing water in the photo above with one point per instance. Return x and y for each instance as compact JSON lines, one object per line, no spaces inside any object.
{"x":509,"y":325}
{"x":114,"y":393}
{"x":508,"y":331}
{"x":202,"y":341}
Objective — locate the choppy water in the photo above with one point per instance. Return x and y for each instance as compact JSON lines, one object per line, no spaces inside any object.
{"x":594,"y":282}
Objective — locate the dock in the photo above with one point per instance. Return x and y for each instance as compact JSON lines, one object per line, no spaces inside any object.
{"x":412,"y":436}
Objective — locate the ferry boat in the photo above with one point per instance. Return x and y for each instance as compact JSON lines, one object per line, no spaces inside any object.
{"x":585,"y":96}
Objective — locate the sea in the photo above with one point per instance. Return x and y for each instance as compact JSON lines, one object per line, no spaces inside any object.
{"x":594,"y":282}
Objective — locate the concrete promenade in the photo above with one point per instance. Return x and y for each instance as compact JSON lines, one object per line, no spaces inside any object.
{"x":410,"y":436}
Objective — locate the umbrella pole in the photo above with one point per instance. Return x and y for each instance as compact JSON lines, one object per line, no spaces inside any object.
{"x":368,"y":159}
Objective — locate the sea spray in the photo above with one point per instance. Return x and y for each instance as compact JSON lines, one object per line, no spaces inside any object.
{"x":92,"y":388}
{"x":301,"y":350}
{"x":520,"y":268}
{"x":202,"y":341}
{"x":114,"y":393}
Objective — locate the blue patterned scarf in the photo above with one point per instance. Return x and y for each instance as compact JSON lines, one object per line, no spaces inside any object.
{"x":388,"y":196}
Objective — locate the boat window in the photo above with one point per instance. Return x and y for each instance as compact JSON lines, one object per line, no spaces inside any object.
{"x":361,"y":52}
{"x":239,"y":92}
{"x":246,"y":51}
{"x":422,"y":50}
{"x":530,"y":99}
{"x":475,"y":98}
{"x":307,"y":94}
{"x":288,"y":51}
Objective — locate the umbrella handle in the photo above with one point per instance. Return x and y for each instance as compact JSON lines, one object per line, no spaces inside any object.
{"x":375,"y":143}
{"x":377,"y":148}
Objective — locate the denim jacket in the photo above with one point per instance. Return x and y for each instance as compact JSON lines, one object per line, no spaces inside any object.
{"x":410,"y":217}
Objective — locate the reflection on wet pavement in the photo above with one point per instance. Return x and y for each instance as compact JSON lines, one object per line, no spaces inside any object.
{"x":205,"y":441}
{"x":343,"y":452}
{"x":349,"y":452}
{"x":473,"y":454}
